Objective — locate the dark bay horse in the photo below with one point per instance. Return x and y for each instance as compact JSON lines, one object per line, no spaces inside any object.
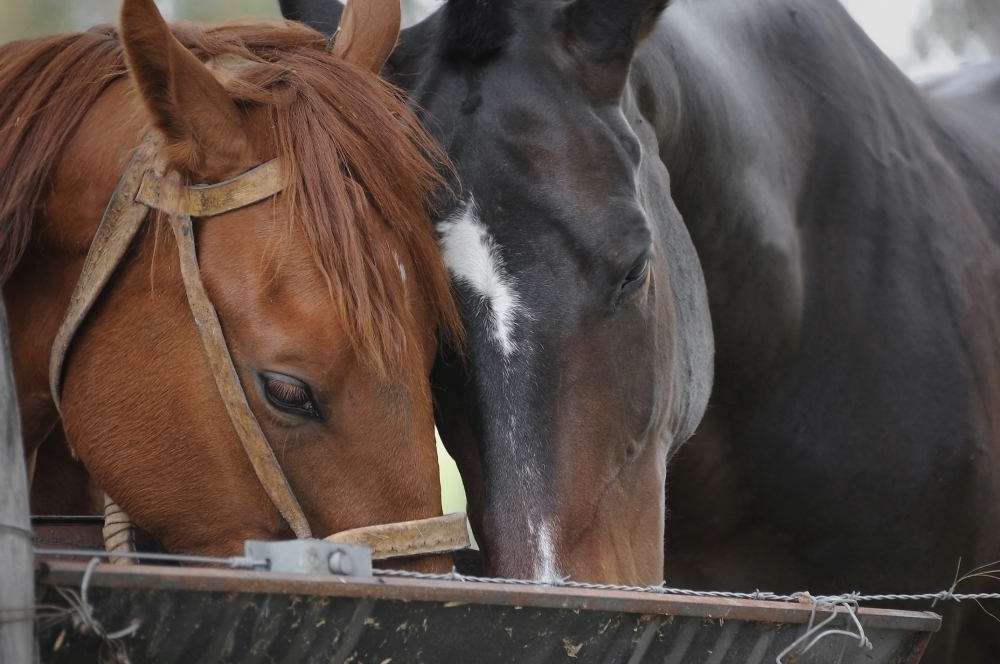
{"x":848,"y":227}
{"x":330,"y":290}
{"x":590,"y":345}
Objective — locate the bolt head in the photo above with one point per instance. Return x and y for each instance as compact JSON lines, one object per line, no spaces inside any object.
{"x":340,"y":563}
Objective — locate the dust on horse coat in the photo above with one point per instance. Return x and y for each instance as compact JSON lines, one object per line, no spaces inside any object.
{"x":848,"y":230}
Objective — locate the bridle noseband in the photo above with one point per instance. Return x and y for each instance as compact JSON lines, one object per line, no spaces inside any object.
{"x":145,"y":186}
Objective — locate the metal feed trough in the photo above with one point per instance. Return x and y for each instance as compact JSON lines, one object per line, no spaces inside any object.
{"x":189,"y":615}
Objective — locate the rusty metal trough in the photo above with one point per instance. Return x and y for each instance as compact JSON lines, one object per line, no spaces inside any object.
{"x":194,"y":615}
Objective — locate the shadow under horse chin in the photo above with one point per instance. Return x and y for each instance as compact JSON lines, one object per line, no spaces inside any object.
{"x":848,"y":227}
{"x":302,"y":182}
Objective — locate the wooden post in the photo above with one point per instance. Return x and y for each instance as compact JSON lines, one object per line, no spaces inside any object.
{"x":17,"y":578}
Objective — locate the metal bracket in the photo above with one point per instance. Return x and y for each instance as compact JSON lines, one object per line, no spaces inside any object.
{"x":312,"y":556}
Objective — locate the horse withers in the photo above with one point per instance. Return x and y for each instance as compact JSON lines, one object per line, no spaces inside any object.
{"x":282,"y":388}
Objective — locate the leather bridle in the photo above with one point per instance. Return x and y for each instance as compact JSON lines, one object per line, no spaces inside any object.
{"x":146,"y":186}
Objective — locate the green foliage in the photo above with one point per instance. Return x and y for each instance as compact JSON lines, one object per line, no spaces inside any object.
{"x":220,"y":10}
{"x":33,"y":18}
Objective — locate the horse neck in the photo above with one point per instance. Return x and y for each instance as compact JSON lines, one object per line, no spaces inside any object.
{"x":782,"y":127}
{"x":724,"y":146}
{"x":38,"y":291}
{"x":685,"y":302}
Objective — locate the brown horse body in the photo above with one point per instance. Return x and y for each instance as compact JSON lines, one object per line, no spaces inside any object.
{"x":331,"y":294}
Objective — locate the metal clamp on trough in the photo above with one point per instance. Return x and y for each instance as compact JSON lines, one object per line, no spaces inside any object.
{"x":351,"y":552}
{"x":311,"y":556}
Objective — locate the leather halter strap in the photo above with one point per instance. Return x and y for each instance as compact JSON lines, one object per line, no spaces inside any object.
{"x":180,"y":203}
{"x":120,"y":223}
{"x":143,"y":187}
{"x":440,"y":534}
{"x":207,"y":200}
{"x":257,"y":449}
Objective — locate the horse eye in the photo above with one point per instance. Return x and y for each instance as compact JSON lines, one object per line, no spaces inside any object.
{"x":290,"y":395}
{"x":637,"y":273}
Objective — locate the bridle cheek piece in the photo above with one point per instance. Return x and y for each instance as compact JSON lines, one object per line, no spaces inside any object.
{"x":145,"y":187}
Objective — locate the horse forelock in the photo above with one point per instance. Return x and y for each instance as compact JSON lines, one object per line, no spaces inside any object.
{"x":354,"y":153}
{"x":355,"y":156}
{"x":476,"y":29}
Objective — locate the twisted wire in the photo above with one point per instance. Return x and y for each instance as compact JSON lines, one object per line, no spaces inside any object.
{"x":718,"y":594}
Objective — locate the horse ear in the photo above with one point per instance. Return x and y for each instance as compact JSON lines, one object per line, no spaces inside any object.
{"x":201,"y":124}
{"x":368,"y":32}
{"x":607,"y":34}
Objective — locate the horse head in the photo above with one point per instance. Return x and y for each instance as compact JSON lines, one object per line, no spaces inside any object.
{"x":589,"y":344}
{"x":331,"y":293}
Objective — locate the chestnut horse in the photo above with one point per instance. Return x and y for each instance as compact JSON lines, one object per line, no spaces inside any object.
{"x":331,"y":293}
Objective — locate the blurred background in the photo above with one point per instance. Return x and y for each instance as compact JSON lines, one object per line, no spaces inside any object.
{"x":927,"y":37}
{"x":19,"y":18}
{"x":923,"y":37}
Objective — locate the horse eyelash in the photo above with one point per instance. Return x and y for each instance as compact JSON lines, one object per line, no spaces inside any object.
{"x":290,"y":394}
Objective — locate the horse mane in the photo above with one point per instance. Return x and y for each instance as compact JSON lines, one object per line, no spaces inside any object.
{"x":324,"y":112}
{"x":46,"y":87}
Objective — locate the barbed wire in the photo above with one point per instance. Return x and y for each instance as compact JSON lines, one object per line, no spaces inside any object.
{"x":243,"y":562}
{"x":801,"y":597}
{"x":846,"y":605}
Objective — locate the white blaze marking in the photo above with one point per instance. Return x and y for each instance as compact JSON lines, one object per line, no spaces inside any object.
{"x":474,"y":260}
{"x":545,"y":563}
